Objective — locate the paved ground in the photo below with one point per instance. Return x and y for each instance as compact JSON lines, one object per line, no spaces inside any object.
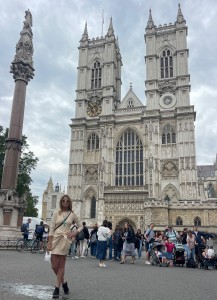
{"x":26,"y":276}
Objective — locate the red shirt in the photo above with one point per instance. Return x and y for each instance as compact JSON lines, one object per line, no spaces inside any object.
{"x":170,"y":247}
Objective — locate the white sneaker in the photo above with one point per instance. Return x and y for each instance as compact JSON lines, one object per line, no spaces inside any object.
{"x":147,"y":262}
{"x":76,"y":257}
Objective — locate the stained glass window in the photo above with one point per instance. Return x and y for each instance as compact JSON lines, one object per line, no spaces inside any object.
{"x":129,"y":160}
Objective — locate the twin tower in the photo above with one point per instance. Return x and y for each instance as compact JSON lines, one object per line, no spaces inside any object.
{"x":128,"y":161}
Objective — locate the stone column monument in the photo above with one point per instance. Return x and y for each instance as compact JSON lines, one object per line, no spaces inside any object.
{"x":11,"y":205}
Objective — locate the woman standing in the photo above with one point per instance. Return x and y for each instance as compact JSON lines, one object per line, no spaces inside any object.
{"x":128,"y":246}
{"x":191,"y":245}
{"x":104,"y":234}
{"x":138,"y":242}
{"x":59,"y":241}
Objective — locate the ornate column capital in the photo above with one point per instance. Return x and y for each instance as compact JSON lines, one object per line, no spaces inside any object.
{"x":22,"y":65}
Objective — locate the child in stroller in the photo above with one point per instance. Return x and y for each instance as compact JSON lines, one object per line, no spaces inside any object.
{"x":158,"y":256}
{"x":206,"y":258}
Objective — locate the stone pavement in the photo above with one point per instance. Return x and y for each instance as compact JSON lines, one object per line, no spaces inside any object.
{"x":25,"y":276}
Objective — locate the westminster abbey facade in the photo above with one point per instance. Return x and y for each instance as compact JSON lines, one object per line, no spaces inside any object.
{"x":135,"y":162}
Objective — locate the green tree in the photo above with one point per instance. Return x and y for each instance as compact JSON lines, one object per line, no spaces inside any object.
{"x":27,"y":163}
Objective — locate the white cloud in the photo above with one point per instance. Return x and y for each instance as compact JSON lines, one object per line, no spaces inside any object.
{"x":58,"y":27}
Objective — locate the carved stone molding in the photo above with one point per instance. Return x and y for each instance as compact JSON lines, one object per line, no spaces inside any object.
{"x":170,"y":170}
{"x":171,"y":193}
{"x":22,"y":71}
{"x":167,"y":87}
{"x":15,"y":144}
{"x":91,"y":174}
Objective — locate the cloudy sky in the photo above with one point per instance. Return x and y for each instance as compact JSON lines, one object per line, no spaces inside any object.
{"x":57,"y":27}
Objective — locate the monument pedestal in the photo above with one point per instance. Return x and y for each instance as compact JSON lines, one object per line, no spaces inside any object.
{"x":11,"y":214}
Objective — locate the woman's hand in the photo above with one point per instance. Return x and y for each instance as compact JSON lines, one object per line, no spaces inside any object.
{"x":72,"y":234}
{"x":49,"y":247}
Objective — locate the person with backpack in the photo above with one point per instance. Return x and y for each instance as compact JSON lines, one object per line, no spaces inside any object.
{"x":172,"y":234}
{"x":39,"y":230}
{"x":93,"y":241}
{"x":83,"y":238}
{"x":25,"y":229}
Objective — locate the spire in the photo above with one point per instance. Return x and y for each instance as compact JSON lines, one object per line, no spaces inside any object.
{"x":85,"y":34}
{"x":111,"y":29}
{"x":50,"y":184}
{"x":150,"y":23}
{"x":180,"y":18}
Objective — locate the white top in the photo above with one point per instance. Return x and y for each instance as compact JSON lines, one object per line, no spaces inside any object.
{"x":103,"y":233}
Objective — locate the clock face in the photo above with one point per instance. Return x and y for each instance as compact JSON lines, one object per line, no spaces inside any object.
{"x":94,"y":109}
{"x":167,"y":100}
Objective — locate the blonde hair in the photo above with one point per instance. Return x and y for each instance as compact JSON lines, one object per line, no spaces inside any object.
{"x":70,"y":203}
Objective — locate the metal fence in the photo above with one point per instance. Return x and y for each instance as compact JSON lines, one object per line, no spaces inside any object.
{"x":8,"y":244}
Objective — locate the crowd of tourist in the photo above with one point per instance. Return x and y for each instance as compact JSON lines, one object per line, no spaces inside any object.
{"x":116,"y":245}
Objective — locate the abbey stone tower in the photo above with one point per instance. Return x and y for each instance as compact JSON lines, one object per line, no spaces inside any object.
{"x":131,"y":162}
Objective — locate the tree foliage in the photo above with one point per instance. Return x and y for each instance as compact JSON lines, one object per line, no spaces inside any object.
{"x":27,"y":163}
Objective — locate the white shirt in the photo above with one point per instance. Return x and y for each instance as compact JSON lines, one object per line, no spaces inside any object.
{"x":103,"y":233}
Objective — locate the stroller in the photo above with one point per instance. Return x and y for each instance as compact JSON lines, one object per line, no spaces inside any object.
{"x":206,"y":263}
{"x":156,"y":259}
{"x":179,"y":257}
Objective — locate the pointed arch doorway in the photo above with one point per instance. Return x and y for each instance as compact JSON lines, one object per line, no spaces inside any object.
{"x":128,"y":220}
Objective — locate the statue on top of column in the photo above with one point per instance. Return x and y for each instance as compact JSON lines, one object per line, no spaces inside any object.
{"x":22,"y":65}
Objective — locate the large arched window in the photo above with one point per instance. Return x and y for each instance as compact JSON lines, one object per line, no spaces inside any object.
{"x":166,"y":64}
{"x":179,"y":221}
{"x":96,"y":74}
{"x":93,"y":208}
{"x":197,"y":221}
{"x":168,"y":135}
{"x":129,"y":160}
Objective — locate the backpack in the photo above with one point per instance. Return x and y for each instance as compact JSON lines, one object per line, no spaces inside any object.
{"x":23,"y":227}
{"x":93,"y":238}
{"x":39,"y":229}
{"x":191,"y":263}
{"x":81,"y":235}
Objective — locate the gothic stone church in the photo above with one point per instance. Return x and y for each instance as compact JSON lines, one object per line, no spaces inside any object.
{"x":128,"y":161}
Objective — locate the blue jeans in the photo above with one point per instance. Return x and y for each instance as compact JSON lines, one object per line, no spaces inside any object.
{"x":110,"y":246}
{"x":139,"y":250}
{"x":72,"y":249}
{"x":192,"y":253}
{"x":117,"y":251}
{"x":93,"y":247}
